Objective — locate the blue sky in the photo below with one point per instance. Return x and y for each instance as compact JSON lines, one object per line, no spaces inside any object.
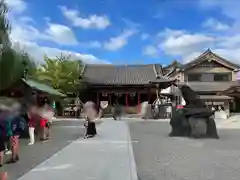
{"x":126,"y":31}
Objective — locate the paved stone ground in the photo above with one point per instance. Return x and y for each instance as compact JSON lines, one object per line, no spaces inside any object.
{"x":108,"y":156}
{"x":63,"y":133}
{"x":159,"y":157}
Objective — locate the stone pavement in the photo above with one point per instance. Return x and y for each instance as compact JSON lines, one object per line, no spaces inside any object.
{"x":106,"y":157}
{"x":63,"y":133}
{"x":159,"y":157}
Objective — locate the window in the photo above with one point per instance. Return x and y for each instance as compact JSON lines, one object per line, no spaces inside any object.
{"x":194,"y":77}
{"x":222,"y":77}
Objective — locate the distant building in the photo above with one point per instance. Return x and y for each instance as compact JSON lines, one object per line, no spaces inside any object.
{"x":213,"y":77}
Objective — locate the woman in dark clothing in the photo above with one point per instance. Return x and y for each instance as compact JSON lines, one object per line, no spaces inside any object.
{"x":91,"y":116}
{"x":117,"y":111}
{"x":90,"y":128}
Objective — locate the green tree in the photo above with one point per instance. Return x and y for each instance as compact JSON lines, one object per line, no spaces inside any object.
{"x":62,"y":73}
{"x":12,"y":62}
{"x":14,"y":66}
{"x":4,"y":26}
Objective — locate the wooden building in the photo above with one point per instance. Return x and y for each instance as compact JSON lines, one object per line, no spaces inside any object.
{"x":212,"y":76}
{"x":29,"y":91}
{"x":130,"y":85}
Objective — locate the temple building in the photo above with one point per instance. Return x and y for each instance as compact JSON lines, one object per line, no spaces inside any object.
{"x":130,"y":85}
{"x":213,"y":77}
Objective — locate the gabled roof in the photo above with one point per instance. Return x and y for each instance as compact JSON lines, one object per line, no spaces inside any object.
{"x":209,"y":55}
{"x":42,"y":87}
{"x":172,"y":68}
{"x":99,"y":74}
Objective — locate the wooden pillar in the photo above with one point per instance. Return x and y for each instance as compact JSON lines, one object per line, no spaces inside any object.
{"x":110,"y":99}
{"x":98,"y":98}
{"x":126,"y":99}
{"x":139,"y":102}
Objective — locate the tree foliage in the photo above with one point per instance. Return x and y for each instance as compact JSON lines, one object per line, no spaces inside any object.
{"x":4,"y":25}
{"x":14,"y":66}
{"x":62,"y":74}
{"x":12,"y":63}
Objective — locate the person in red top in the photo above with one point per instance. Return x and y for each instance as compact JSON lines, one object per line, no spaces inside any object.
{"x":46,"y":114}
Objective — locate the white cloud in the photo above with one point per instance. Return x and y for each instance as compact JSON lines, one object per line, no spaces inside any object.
{"x":151,"y":51}
{"x":120,"y":41}
{"x":25,"y":36}
{"x":180,"y":43}
{"x":60,"y":34}
{"x":93,"y":21}
{"x":23,"y":30}
{"x":229,"y":8}
{"x":37,"y":52}
{"x":215,"y":25}
{"x":144,"y":36}
{"x":231,"y":41}
{"x":188,"y":45}
{"x":191,"y":56}
{"x":170,"y":33}
{"x":16,"y":6}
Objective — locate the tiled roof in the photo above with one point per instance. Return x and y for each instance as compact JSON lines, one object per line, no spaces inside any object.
{"x":100,"y":74}
{"x":209,"y":86}
{"x":208,"y":54}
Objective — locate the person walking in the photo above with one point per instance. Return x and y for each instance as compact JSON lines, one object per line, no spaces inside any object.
{"x":46,"y":114}
{"x":32,"y":122}
{"x":117,"y":111}
{"x":90,"y":116}
{"x":15,"y":125}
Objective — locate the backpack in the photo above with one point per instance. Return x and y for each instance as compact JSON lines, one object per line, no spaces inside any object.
{"x":18,"y":125}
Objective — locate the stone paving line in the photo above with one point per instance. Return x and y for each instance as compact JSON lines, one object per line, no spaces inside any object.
{"x":108,"y":156}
